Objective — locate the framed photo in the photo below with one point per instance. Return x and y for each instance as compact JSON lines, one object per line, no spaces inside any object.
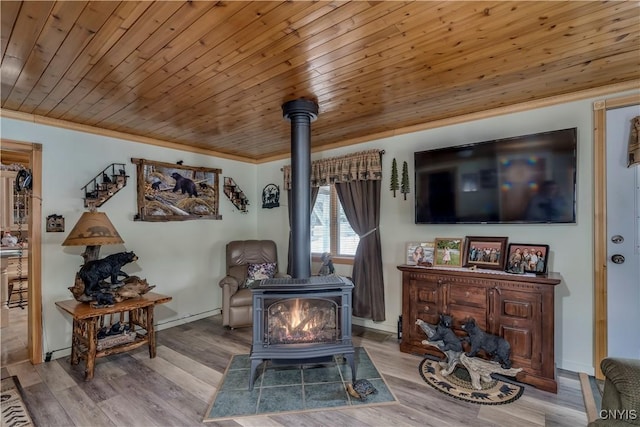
{"x":527,"y":258}
{"x":448,"y":252}
{"x":420,"y":253}
{"x":176,"y":192}
{"x":485,"y":252}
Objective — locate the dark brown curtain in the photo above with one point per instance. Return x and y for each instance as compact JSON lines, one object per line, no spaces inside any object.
{"x":314,"y":196}
{"x":361,"y":203}
{"x":358,"y":178}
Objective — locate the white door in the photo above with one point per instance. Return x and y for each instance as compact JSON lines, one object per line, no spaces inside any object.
{"x":623,"y":238}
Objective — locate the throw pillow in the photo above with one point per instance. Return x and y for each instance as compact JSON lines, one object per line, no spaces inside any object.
{"x":264,"y":270}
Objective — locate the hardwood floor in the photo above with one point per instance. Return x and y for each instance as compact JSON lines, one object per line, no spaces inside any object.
{"x":176,"y":389}
{"x":14,"y":337}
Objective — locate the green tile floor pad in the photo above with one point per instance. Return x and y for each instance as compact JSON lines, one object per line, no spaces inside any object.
{"x":281,"y":388}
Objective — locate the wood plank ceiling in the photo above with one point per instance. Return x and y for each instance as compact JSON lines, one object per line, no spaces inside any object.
{"x":213,"y":75}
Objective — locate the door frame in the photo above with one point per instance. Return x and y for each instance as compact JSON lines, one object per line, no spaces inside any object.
{"x":600,"y":222}
{"x":34,"y":292}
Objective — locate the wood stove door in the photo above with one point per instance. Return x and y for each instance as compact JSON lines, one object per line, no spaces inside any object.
{"x":302,"y":320}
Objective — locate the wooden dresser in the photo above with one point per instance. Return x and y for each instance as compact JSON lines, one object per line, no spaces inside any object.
{"x":519,"y":308}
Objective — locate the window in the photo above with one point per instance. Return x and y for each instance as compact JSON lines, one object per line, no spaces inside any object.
{"x":330,"y":230}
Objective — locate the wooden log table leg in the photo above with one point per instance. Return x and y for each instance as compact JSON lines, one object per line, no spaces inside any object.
{"x":92,"y":340}
{"x":151,"y":333}
{"x":75,"y":341}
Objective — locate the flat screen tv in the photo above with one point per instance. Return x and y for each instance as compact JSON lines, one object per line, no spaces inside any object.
{"x":519,"y":180}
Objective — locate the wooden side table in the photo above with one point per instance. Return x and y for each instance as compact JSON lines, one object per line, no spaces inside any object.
{"x":136,"y":312}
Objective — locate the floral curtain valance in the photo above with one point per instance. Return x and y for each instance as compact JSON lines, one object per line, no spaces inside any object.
{"x":362,"y":166}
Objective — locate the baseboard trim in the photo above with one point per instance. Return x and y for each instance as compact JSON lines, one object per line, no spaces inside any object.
{"x":587,"y":395}
{"x":186,"y":319}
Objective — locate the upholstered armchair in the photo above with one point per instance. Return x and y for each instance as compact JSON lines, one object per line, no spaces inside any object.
{"x":621,"y":396}
{"x":246,"y":260}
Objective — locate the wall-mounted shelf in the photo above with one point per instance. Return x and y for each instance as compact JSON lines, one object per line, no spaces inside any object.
{"x":235,"y":194}
{"x":105,"y":185}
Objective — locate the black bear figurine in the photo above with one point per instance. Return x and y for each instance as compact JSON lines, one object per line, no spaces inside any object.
{"x":444,"y":333}
{"x":109,"y":267}
{"x":104,"y":299}
{"x":496,"y":347}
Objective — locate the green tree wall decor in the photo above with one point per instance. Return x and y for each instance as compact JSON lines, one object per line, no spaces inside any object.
{"x":394,"y":177}
{"x":404,"y":188}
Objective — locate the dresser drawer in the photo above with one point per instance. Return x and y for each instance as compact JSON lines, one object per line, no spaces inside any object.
{"x":470,"y":296}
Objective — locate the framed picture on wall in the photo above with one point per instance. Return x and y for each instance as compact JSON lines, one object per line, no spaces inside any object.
{"x":527,"y":258}
{"x":485,"y":252}
{"x":448,"y":251}
{"x":419,"y":253}
{"x":176,"y":192}
{"x":55,"y":223}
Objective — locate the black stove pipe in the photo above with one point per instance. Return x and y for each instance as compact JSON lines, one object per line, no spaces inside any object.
{"x":300,"y":112}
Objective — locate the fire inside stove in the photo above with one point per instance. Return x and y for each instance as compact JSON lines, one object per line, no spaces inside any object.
{"x":302,"y":320}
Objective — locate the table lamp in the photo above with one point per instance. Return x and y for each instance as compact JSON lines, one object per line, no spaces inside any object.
{"x":93,"y":230}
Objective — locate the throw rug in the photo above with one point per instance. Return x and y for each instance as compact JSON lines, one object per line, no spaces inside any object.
{"x":283,"y":388}
{"x":14,"y":409}
{"x":458,"y":385}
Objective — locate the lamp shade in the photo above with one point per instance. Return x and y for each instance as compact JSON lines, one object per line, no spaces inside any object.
{"x":93,"y":229}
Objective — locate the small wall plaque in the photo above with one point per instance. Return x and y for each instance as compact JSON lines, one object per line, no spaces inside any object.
{"x":55,"y":223}
{"x":270,"y":196}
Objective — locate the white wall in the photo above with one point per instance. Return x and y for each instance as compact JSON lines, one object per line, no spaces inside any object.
{"x":571,"y":246}
{"x":184,"y":259}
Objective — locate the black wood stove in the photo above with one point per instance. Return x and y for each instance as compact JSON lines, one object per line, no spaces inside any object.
{"x":302,"y":319}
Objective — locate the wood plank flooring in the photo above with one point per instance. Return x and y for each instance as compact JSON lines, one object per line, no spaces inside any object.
{"x":14,"y":337}
{"x":176,"y":388}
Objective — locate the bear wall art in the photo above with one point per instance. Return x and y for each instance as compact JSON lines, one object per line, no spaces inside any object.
{"x":176,"y":192}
